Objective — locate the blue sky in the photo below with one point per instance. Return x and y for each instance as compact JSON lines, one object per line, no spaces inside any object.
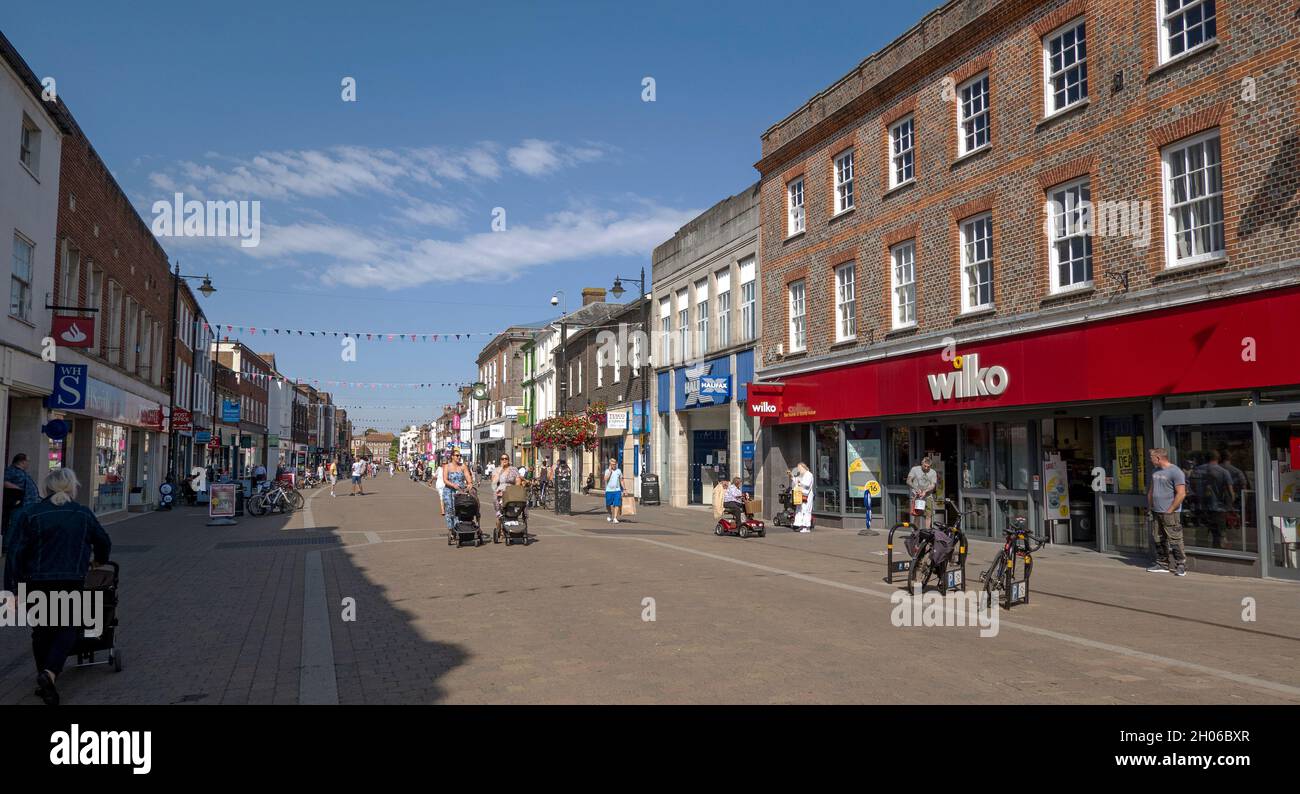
{"x":377,"y":214}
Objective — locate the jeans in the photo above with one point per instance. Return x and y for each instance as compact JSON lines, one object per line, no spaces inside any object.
{"x":1167,"y":532}
{"x":52,"y":644}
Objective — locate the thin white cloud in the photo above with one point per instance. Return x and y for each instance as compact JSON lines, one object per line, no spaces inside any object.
{"x":426,"y":214}
{"x":570,"y":236}
{"x":536,"y":157}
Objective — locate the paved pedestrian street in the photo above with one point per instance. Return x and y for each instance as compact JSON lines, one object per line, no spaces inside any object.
{"x":254,"y":613}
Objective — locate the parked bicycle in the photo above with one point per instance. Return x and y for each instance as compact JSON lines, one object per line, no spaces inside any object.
{"x":939,"y":540}
{"x":539,"y":496}
{"x":272,"y":498}
{"x":1000,"y":580}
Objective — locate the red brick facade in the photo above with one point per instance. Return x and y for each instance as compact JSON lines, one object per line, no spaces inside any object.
{"x":1114,"y":138}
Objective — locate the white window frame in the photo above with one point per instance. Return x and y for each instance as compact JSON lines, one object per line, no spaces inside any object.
{"x":684,"y":332}
{"x":666,"y":329}
{"x":1214,"y":200}
{"x":29,"y":145}
{"x":748,"y":299}
{"x":600,"y":367}
{"x":902,"y":314}
{"x":23,"y":286}
{"x":795,"y":208}
{"x":70,"y":276}
{"x":1070,"y":220}
{"x":965,"y":118}
{"x":1049,"y":91}
{"x":846,"y":307}
{"x":618,"y":364}
{"x":702,"y":324}
{"x":902,"y":158}
{"x":968,"y":225}
{"x":1166,"y":19}
{"x":724,"y":319}
{"x":844,"y":182}
{"x":797,"y":299}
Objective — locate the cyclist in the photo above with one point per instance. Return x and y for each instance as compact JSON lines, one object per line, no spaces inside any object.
{"x":544,"y":479}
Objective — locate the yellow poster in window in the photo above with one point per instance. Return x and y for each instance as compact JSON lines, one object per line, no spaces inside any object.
{"x":1124,"y":463}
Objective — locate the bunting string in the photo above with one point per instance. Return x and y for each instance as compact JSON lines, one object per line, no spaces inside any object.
{"x":368,"y":336}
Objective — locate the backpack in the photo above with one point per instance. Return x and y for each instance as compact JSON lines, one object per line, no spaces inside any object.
{"x":941,"y":549}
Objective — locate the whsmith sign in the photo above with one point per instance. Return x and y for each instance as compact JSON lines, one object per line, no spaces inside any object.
{"x":968,"y":380}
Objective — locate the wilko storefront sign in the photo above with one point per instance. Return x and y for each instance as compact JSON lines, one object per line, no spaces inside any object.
{"x":769,"y":407}
{"x":968,"y":379}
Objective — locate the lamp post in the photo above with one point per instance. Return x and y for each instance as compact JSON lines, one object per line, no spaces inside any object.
{"x":642,"y":361}
{"x":207,"y":289}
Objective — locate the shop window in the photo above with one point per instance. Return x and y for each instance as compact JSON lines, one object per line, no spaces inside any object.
{"x":975,"y":456}
{"x":1124,"y":454}
{"x":1284,"y":494}
{"x":1011,"y":450}
{"x":862,"y":451}
{"x":109,"y":477}
{"x":1218,"y":463}
{"x":1280,"y":396}
{"x":827,"y":471}
{"x":1234,"y":399}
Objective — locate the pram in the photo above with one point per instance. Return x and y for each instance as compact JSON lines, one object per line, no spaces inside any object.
{"x":512,"y":524}
{"x":102,"y":579}
{"x":466,"y":529}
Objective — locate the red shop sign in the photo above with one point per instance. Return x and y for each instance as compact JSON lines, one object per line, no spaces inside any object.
{"x":73,"y":331}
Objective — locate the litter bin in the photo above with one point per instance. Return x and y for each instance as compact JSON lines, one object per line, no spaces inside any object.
{"x":564,"y":496}
{"x":650,"y":489}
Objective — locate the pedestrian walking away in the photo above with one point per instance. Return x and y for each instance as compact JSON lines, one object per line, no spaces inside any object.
{"x":53,"y":545}
{"x":1165,"y":499}
{"x":801,"y":486}
{"x":334,"y":476}
{"x":613,"y":491}
{"x":457,"y":478}
{"x":20,"y":491}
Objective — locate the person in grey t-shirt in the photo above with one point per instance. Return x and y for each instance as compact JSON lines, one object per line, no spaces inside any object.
{"x":1165,"y":498}
{"x":923,"y":481}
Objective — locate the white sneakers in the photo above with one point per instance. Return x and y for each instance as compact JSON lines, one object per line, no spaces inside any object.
{"x":609,"y":519}
{"x":804,"y":531}
{"x":616,"y":521}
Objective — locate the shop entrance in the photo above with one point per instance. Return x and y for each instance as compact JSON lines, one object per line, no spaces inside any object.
{"x":708,"y":462}
{"x":1282,"y":499}
{"x":939,"y":444}
{"x":1069,"y":457}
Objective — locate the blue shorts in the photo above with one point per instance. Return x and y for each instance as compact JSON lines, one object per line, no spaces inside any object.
{"x":613,"y":499}
{"x":356,"y":479}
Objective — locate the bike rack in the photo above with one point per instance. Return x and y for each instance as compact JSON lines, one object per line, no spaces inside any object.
{"x":904,"y":565}
{"x":1017,"y":591}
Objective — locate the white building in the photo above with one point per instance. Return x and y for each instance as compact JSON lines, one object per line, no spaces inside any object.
{"x":31,"y":132}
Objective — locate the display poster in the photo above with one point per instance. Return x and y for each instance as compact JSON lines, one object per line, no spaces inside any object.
{"x":862,"y":452}
{"x":1056,"y":495}
{"x":222,"y":503}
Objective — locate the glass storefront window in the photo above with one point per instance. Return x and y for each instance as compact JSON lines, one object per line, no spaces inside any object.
{"x":1218,"y":462}
{"x":862,"y":447}
{"x":1284,"y":493}
{"x":900,"y":454}
{"x":1127,"y":527}
{"x":1227,"y":399}
{"x":826,"y":468}
{"x":1011,"y":447}
{"x":1124,"y":454}
{"x":980,"y":522}
{"x":975,"y":456}
{"x":110,"y":468}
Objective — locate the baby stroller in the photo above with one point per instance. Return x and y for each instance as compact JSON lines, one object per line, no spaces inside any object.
{"x":467,"y":521}
{"x":101,"y":579}
{"x":512,"y":524}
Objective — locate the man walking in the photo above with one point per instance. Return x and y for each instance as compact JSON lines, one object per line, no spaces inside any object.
{"x":334,"y":475}
{"x":358,"y":471}
{"x":1165,"y":499}
{"x":923,"y":481}
{"x":613,"y":491}
{"x":20,"y":491}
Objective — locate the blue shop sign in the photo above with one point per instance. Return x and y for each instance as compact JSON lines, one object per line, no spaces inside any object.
{"x":704,"y":384}
{"x":71,"y":382}
{"x":747,"y":450}
{"x":230,"y":412}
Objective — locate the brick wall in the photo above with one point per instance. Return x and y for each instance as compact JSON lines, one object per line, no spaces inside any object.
{"x":97,"y":219}
{"x":1115,"y":140}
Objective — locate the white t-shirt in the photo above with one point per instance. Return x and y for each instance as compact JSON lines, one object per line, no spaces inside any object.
{"x":612,"y":478}
{"x":358,"y":468}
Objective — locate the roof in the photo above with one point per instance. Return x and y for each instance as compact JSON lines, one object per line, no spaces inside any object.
{"x":56,"y":110}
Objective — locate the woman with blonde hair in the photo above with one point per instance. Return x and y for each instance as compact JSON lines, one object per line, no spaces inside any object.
{"x":801,"y":482}
{"x":54,"y":541}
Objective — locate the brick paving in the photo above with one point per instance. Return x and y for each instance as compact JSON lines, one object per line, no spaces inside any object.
{"x":784,"y":619}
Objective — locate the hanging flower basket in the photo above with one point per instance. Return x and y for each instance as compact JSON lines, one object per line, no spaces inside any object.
{"x":566,"y":431}
{"x":597,"y":411}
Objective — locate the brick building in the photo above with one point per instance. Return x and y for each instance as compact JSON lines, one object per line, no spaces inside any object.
{"x":1034,"y":240}
{"x":253,"y":375}
{"x":109,"y":270}
{"x":501,"y":370}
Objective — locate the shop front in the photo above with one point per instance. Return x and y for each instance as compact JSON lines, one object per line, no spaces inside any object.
{"x":1057,"y":427}
{"x":704,"y":435}
{"x":114,"y":444}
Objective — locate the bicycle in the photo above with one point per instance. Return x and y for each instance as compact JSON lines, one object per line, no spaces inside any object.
{"x":1000,"y":578}
{"x":923,"y":567}
{"x":271,"y":499}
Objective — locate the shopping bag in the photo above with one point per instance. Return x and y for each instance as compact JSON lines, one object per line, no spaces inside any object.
{"x":629,"y":505}
{"x":796,"y":499}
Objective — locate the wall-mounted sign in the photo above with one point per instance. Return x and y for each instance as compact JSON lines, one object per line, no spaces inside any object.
{"x":616,"y":420}
{"x":230,"y":411}
{"x":73,"y":331}
{"x":764,"y":407}
{"x":704,"y":384}
{"x":968,"y":379}
{"x":497,"y":431}
{"x":182,"y":419}
{"x":71,"y":383}
{"x":202,"y":437}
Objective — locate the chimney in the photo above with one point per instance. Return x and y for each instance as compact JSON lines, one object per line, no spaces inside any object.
{"x":593,"y":295}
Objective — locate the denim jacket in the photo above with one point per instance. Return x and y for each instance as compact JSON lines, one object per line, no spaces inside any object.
{"x":53,"y":543}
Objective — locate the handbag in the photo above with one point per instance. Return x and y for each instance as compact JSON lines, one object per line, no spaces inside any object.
{"x":797,"y":498}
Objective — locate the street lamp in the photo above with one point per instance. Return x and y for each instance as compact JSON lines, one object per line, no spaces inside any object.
{"x":618,"y":291}
{"x":207,"y":289}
